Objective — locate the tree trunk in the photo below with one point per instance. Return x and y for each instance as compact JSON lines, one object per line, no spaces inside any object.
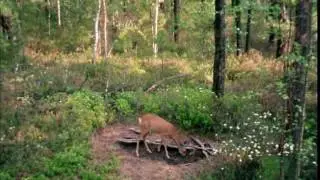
{"x":96,"y":34}
{"x":105,"y":30}
{"x":281,"y":43}
{"x":220,"y":43}
{"x":59,"y":15}
{"x":203,"y":31}
{"x":155,"y":29}
{"x":284,"y":13}
{"x":272,"y":16}
{"x":248,"y":32}
{"x":286,"y":119}
{"x":176,"y":14}
{"x":279,"y":40}
{"x":124,"y":5}
{"x":49,"y":17}
{"x":236,"y":6}
{"x":6,"y":26}
{"x":298,"y":80}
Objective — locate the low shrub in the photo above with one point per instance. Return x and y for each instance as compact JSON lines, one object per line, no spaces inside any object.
{"x":5,"y":176}
{"x":39,"y":83}
{"x":191,"y":108}
{"x":83,"y":112}
{"x":234,"y":171}
{"x":67,"y":162}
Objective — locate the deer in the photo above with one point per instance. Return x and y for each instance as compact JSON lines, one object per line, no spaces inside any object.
{"x":151,"y":123}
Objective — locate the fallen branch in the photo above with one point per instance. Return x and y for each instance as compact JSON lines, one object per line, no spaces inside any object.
{"x":201,"y":145}
{"x":157,"y":142}
{"x":129,"y":140}
{"x":155,"y":85}
{"x":137,"y":131}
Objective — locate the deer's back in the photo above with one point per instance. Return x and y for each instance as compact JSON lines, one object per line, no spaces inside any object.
{"x":156,"y":124}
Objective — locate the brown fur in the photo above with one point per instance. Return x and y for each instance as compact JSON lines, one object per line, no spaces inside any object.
{"x":151,"y":123}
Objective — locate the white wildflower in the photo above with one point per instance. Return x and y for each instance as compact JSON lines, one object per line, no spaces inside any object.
{"x":291,"y":147}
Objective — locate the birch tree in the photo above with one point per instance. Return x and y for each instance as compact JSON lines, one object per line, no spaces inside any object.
{"x":59,"y":15}
{"x":96,"y":33}
{"x":105,"y":30}
{"x":155,"y":29}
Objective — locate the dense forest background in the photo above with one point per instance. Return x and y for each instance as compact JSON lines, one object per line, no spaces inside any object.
{"x":245,"y":78}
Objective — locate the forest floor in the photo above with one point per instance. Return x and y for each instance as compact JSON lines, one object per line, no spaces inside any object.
{"x":148,"y":166}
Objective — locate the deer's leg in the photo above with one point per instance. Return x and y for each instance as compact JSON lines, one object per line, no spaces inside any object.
{"x":165,"y":148}
{"x":159,"y":146}
{"x":142,"y":136}
{"x":137,"y":147}
{"x":145,"y":142}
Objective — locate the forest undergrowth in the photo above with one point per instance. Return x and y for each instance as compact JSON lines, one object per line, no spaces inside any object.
{"x":55,"y":103}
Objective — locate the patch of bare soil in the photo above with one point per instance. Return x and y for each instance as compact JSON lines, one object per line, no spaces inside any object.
{"x":153,"y":166}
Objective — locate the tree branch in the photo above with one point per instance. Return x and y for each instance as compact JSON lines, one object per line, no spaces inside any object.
{"x":155,"y":85}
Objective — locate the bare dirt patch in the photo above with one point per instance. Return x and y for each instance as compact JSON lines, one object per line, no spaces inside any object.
{"x":148,"y":166}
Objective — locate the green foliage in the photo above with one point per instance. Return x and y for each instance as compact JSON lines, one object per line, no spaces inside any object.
{"x":40,"y":83}
{"x":67,"y":162}
{"x":192,"y":108}
{"x":107,"y":170}
{"x":188,"y":107}
{"x":5,"y":176}
{"x":271,"y":167}
{"x":54,"y":138}
{"x":246,"y":170}
{"x":83,"y":112}
{"x":123,"y":106}
{"x":74,"y":162}
{"x":309,"y":158}
{"x":234,"y":109}
{"x":266,"y":167}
